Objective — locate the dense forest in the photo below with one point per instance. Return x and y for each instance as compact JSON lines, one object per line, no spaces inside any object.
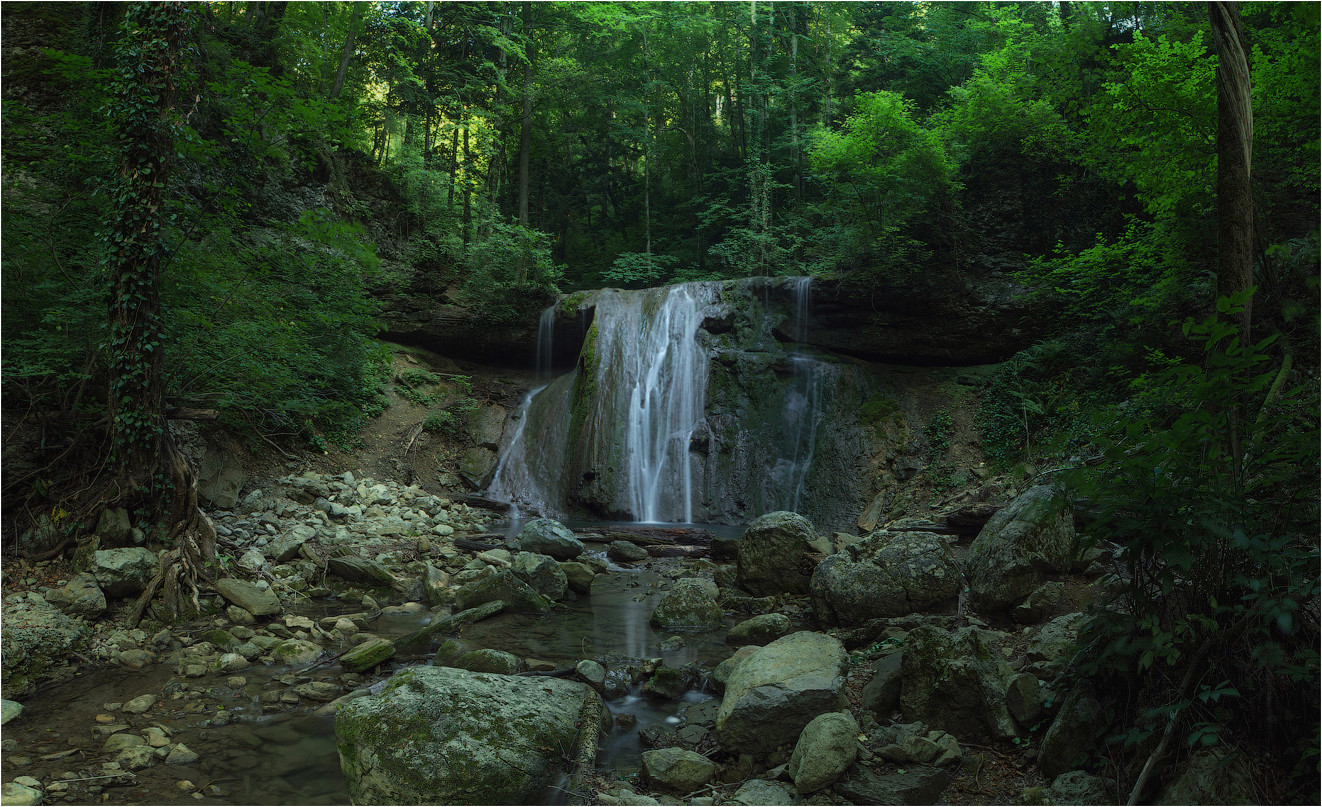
{"x":508,"y":152}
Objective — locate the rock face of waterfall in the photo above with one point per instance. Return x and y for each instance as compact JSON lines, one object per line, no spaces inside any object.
{"x":693,"y":402}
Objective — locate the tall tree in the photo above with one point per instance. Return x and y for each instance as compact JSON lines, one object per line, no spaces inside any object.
{"x":152,"y":479}
{"x":1234,"y":150}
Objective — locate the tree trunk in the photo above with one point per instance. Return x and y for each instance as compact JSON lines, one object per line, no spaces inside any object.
{"x":347,"y":53}
{"x":1234,"y":150}
{"x":525,"y":134}
{"x":152,"y":479}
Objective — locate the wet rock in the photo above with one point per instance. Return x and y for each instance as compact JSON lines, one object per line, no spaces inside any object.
{"x":774,"y":554}
{"x":691,"y":603}
{"x":824,"y":751}
{"x":543,"y":573}
{"x":759,"y":630}
{"x":888,"y":574}
{"x":487,"y":660}
{"x":439,"y":735}
{"x":81,"y":596}
{"x":295,"y":652}
{"x":778,"y":689}
{"x":579,"y":576}
{"x":118,"y":742}
{"x":245,"y":595}
{"x":592,"y":674}
{"x":549,"y":537}
{"x":221,"y":638}
{"x":140,"y":704}
{"x":16,"y":794}
{"x":181,"y":755}
{"x":670,"y":682}
{"x":723,"y":670}
{"x":124,"y":571}
{"x":677,"y":770}
{"x":436,"y":586}
{"x":34,"y":638}
{"x":136,"y":758}
{"x":956,"y":682}
{"x":155,"y":737}
{"x":922,"y":785}
{"x":367,"y":655}
{"x":1019,"y":546}
{"x":319,"y":691}
{"x":504,"y":586}
{"x":626,"y":552}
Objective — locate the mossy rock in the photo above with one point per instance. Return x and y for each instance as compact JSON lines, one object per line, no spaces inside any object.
{"x":367,"y":655}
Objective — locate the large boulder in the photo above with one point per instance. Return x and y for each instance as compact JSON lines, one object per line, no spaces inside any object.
{"x":34,"y":639}
{"x":362,"y":571}
{"x":505,"y":586}
{"x":254,"y":600}
{"x":913,"y":785}
{"x":542,"y":572}
{"x":774,"y":555}
{"x":124,"y":571}
{"x":956,"y":682}
{"x":547,"y":536}
{"x":1020,"y":546}
{"x":220,"y":477}
{"x":759,"y":630}
{"x":825,"y":750}
{"x":779,"y":689}
{"x":1208,"y":777}
{"x":80,"y":596}
{"x":888,"y":574}
{"x":1076,"y":731}
{"x":691,"y":603}
{"x":440,"y":735}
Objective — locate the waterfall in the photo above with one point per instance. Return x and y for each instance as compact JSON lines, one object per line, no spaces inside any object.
{"x":545,"y":338}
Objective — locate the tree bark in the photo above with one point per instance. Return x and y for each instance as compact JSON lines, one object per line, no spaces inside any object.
{"x":1234,"y":149}
{"x":525,"y":126}
{"x":347,"y":53}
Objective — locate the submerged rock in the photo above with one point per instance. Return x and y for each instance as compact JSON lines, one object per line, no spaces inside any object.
{"x":779,"y":689}
{"x":439,"y":735}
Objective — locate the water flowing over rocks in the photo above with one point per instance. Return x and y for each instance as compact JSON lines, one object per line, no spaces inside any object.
{"x":446,"y":736}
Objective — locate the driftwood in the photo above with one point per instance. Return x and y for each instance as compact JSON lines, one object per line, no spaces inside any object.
{"x":473,"y":500}
{"x":475,"y":546}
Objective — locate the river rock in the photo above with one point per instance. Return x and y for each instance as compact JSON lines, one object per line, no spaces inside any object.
{"x":543,"y":573}
{"x":254,"y":600}
{"x":774,"y":555}
{"x":759,"y":630}
{"x":9,"y":710}
{"x":295,"y":652}
{"x":778,"y":689}
{"x":1080,"y":787}
{"x":285,"y":547}
{"x":1020,"y":546}
{"x":16,"y":794}
{"x":677,"y":770}
{"x":504,"y":586}
{"x":626,"y":552}
{"x":124,"y":571}
{"x":439,"y":735}
{"x":956,"y":682}
{"x":81,"y":596}
{"x":34,"y":637}
{"x":361,"y":571}
{"x":888,"y":574}
{"x":825,"y":750}
{"x":762,"y":792}
{"x":726,"y":668}
{"x":579,"y":576}
{"x":881,"y":694}
{"x":487,"y":660}
{"x":547,"y":536}
{"x":691,"y":603}
{"x":367,"y":655}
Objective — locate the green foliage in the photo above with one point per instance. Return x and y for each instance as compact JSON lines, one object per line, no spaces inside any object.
{"x":510,"y":272}
{"x":449,"y":419}
{"x":940,"y":470}
{"x":1209,"y":485}
{"x":638,"y":269}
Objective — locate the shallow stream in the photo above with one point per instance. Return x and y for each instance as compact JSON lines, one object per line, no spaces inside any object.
{"x":257,"y":756}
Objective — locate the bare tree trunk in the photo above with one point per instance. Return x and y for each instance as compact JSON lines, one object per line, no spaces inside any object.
{"x":1234,"y":149}
{"x":347,"y":53}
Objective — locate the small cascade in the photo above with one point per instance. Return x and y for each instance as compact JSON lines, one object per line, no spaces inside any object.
{"x":802,"y":414}
{"x":545,"y":340}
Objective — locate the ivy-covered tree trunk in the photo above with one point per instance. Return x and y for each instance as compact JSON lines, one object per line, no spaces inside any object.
{"x":1234,"y":151}
{"x":152,"y":479}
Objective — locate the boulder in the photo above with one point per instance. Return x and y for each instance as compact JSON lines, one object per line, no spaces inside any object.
{"x":504,"y":586}
{"x":726,"y":668}
{"x":13,"y":793}
{"x":626,"y":552}
{"x":1208,"y":777}
{"x":114,"y":527}
{"x":543,"y":573}
{"x":1080,"y":787}
{"x":774,"y":554}
{"x":691,"y":603}
{"x":677,"y":770}
{"x":1043,"y":598}
{"x":881,"y":694}
{"x":762,"y":792}
{"x":759,"y":630}
{"x":779,"y":689}
{"x":285,"y":547}
{"x":547,"y":536}
{"x":296,"y":652}
{"x":440,"y":735}
{"x":34,"y":638}
{"x":123,"y":572}
{"x":9,"y":710}
{"x":888,"y":574}
{"x":956,"y":682}
{"x":254,"y":600}
{"x":579,"y":576}
{"x":916,"y":785}
{"x":220,"y":478}
{"x":488,"y":661}
{"x":1023,"y":699}
{"x":825,"y":750}
{"x":80,"y":597}
{"x":1078,"y":726}
{"x":1020,"y":546}
{"x":1055,"y":638}
{"x":361,"y":571}
{"x":367,"y":655}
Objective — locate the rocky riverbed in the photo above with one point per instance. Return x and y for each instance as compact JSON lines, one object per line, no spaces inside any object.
{"x":741,"y":672}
